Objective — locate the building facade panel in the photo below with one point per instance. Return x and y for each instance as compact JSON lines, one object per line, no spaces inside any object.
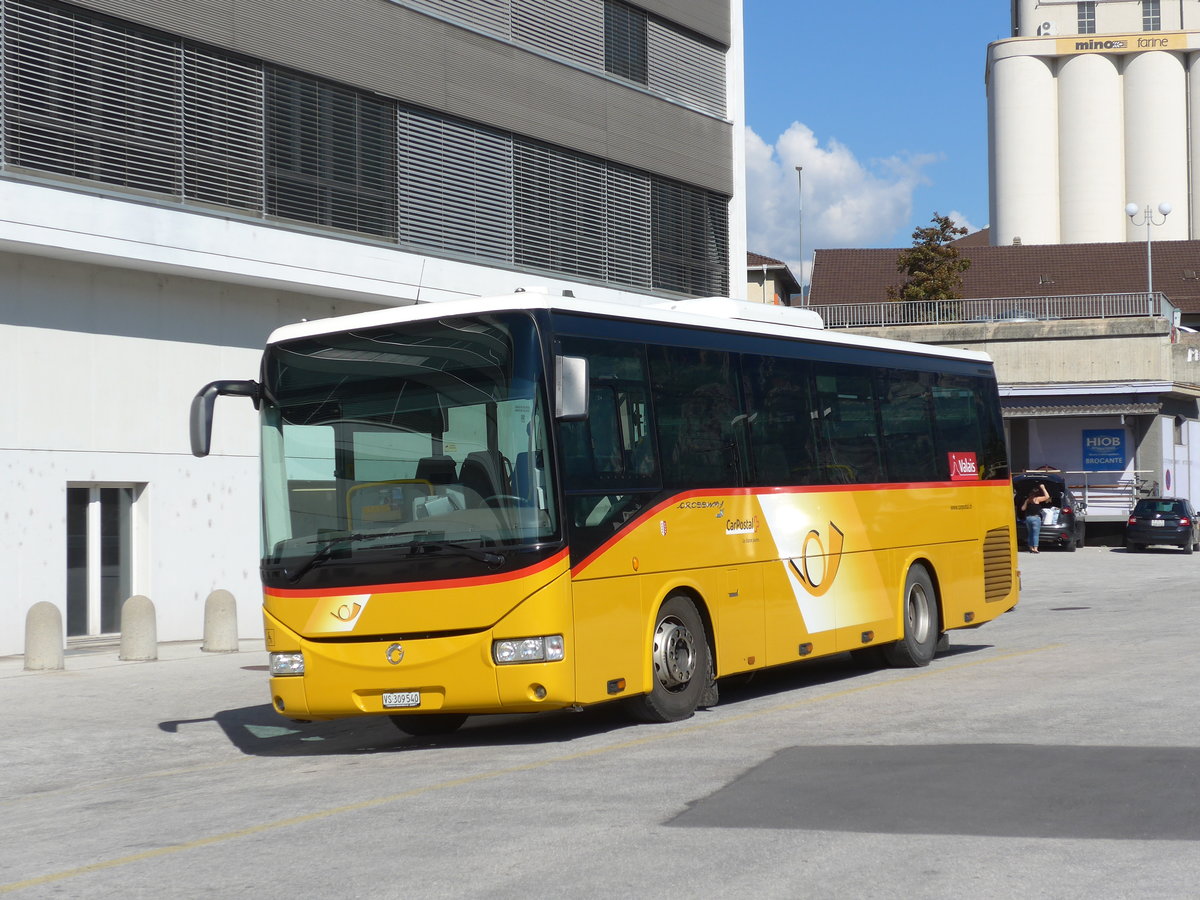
{"x":178,"y":179}
{"x":406,"y":55}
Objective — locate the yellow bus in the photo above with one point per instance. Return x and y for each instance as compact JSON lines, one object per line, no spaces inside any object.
{"x":530,"y":502}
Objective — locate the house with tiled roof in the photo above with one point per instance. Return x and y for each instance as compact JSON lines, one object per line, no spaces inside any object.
{"x":770,"y":281}
{"x":1044,"y":270}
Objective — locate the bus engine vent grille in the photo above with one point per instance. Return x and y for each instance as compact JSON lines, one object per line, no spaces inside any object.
{"x":997,"y":564}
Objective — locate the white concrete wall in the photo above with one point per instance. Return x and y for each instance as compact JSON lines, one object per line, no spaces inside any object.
{"x":1112,"y":16}
{"x":1181,"y":462}
{"x":100,"y":366}
{"x":113,"y":314}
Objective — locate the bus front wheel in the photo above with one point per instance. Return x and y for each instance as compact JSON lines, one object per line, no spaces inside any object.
{"x":680,"y":659}
{"x":921,"y":626}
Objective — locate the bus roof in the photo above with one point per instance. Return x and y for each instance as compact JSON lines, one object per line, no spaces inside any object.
{"x":711,"y":313}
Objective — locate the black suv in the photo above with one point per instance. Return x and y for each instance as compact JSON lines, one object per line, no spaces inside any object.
{"x":1162,"y":520}
{"x":1062,"y":525}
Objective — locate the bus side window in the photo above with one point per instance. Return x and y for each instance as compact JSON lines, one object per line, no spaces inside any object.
{"x":697,"y":410}
{"x":612,"y":450}
{"x":963,"y":421}
{"x":847,"y":407}
{"x":906,"y":415}
{"x":783,"y":442}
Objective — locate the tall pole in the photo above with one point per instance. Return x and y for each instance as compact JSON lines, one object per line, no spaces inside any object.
{"x":1131,"y":210}
{"x":800,"y":187}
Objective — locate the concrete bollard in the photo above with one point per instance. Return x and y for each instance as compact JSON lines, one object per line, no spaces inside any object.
{"x":139,"y":631}
{"x":43,"y":637}
{"x":220,"y":623}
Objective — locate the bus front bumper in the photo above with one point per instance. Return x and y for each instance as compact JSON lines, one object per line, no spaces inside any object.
{"x":430,"y":675}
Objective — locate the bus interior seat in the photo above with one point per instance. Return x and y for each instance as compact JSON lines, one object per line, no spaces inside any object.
{"x":436,"y":469}
{"x":482,"y":476}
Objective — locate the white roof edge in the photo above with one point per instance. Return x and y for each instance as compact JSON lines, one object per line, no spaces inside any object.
{"x":668,"y":312}
{"x":1085,"y":388}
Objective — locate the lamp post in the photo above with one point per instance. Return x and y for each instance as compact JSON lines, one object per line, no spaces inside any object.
{"x":1131,"y":210}
{"x":800,"y":188}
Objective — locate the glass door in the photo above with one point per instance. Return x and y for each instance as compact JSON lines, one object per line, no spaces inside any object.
{"x":99,"y":556}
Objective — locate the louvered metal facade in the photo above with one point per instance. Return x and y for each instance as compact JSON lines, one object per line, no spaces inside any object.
{"x":94,"y":98}
{"x":608,"y":35}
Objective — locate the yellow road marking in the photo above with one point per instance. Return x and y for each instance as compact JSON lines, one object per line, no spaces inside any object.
{"x":497,"y":773}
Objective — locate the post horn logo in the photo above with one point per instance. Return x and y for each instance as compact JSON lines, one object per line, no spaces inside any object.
{"x":347,"y":612}
{"x":831,"y":561}
{"x":395,"y":654}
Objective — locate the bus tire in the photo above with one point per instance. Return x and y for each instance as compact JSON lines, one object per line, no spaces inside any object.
{"x":680,"y":662}
{"x":429,"y":725}
{"x":921,"y":626}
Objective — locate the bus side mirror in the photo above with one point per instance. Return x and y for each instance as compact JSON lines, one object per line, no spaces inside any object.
{"x":571,"y":388}
{"x":202,"y":409}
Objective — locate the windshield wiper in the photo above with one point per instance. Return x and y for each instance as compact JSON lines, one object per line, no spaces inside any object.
{"x":328,"y":548}
{"x":485,"y":556}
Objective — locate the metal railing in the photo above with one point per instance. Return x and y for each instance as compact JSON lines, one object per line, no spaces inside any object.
{"x":999,"y":309}
{"x":1109,"y":496}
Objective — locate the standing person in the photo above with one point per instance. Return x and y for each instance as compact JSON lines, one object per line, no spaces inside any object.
{"x":1031,"y":510}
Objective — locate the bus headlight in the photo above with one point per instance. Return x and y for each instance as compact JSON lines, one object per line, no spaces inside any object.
{"x":526,"y":650}
{"x":287,"y":664}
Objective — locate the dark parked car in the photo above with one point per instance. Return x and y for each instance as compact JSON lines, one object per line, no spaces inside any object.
{"x":1162,"y":520}
{"x":1062,"y":523}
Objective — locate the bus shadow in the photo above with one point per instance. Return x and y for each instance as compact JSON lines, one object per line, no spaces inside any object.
{"x":260,"y":731}
{"x":804,"y":674}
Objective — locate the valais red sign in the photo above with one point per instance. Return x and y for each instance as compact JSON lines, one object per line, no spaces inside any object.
{"x":963,"y":467}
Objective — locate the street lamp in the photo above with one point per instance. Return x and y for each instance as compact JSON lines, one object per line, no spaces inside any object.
{"x":800,"y":186}
{"x":1131,"y":210}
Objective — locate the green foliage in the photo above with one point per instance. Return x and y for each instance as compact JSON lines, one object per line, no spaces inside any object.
{"x":933,"y":265}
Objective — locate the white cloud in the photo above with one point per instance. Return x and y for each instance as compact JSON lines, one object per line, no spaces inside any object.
{"x":846,"y":203}
{"x":960,"y":220}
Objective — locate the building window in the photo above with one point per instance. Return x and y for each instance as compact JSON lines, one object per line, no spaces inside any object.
{"x":331,"y":154}
{"x":100,"y":556}
{"x":625,"y":41}
{"x":1086,"y":17}
{"x":187,"y":122}
{"x":1151,"y":15}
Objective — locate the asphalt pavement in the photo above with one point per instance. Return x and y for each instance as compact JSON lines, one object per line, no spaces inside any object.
{"x":1052,"y":753}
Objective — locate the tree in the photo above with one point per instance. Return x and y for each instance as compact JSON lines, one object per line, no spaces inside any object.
{"x":933,"y":265}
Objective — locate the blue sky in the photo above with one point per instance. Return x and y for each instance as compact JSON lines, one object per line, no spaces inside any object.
{"x":883,"y":104}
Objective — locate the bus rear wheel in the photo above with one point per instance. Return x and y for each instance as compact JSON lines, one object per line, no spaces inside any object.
{"x":429,"y":725}
{"x":921,"y":626}
{"x":681,"y":663}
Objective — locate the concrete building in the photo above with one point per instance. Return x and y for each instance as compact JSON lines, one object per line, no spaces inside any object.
{"x":1092,"y":106}
{"x":179,"y":178}
{"x":1096,"y":377}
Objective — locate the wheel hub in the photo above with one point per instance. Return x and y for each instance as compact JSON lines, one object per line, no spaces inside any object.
{"x":918,"y":613}
{"x":674,"y":654}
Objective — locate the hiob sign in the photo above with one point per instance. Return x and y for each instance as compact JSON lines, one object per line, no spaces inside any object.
{"x":1104,"y":449}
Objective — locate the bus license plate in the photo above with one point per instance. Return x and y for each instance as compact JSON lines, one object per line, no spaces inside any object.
{"x":401,"y":699}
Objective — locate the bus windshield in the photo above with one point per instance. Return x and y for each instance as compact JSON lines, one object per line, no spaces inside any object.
{"x":395,"y":442}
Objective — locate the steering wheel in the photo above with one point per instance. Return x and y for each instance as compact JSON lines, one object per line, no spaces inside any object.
{"x":498,"y":500}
